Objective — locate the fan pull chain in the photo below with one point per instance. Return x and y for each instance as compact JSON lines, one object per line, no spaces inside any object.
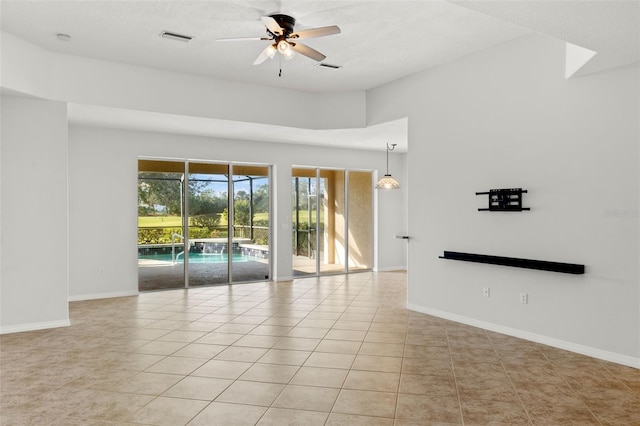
{"x":280,"y":62}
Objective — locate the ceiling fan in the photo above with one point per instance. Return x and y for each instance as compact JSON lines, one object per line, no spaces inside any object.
{"x":283,"y":39}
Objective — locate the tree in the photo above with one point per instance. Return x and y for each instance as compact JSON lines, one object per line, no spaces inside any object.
{"x":156,"y":190}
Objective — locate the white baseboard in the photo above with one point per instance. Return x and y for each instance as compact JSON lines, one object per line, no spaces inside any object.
{"x":18,"y":328}
{"x":391,"y":269}
{"x":81,"y":297}
{"x":538,"y":338}
{"x":281,"y":279}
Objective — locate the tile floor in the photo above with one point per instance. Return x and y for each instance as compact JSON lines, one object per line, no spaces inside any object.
{"x":331,"y":351}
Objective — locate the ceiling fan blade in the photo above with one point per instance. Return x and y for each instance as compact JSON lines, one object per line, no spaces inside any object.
{"x":316,"y":32}
{"x":267,"y":53}
{"x":272,"y":25}
{"x":308,"y":51}
{"x":243,"y":39}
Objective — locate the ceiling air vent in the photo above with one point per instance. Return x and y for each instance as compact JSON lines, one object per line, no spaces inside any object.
{"x":176,"y":37}
{"x":330,"y":66}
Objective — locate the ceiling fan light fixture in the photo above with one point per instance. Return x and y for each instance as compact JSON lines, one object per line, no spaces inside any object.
{"x":271,"y":51}
{"x":284,"y":47}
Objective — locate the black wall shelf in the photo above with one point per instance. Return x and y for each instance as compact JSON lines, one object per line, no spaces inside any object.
{"x":567,"y":268}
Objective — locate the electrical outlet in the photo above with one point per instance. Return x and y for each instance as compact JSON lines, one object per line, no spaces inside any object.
{"x":485,"y":291}
{"x":524,"y":298}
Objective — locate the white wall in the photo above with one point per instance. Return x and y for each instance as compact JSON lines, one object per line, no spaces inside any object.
{"x":27,"y":68}
{"x":34,"y":243}
{"x":506,"y":118}
{"x":103,"y":190}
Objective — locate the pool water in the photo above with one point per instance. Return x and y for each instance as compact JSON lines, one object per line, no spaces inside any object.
{"x":200,"y":257}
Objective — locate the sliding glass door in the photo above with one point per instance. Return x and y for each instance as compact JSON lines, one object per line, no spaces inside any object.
{"x":191,"y":233}
{"x":332,"y":221}
{"x":161,"y":223}
{"x":208,"y":254}
{"x":251,"y":230}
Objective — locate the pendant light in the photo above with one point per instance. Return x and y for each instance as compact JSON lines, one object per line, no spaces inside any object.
{"x":388,"y":182}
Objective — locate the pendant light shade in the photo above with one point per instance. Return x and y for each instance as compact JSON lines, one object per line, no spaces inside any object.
{"x":387,"y":181}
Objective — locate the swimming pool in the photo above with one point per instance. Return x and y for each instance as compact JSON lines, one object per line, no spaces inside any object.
{"x":200,"y":257}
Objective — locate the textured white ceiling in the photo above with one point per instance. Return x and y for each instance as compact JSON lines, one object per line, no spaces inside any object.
{"x":381,"y":41}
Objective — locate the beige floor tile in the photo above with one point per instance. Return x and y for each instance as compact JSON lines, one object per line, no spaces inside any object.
{"x":205,"y":326}
{"x":376,"y":404}
{"x":324,"y":315}
{"x":326,"y":377}
{"x":252,"y":393}
{"x":329,"y":360}
{"x":176,"y":365}
{"x":182,"y":336}
{"x":357,"y":317}
{"x":561,"y":413}
{"x":377,"y":363}
{"x":223,"y":414}
{"x":215,"y":338}
{"x":287,"y":417}
{"x":297,"y":343}
{"x":235,"y":328}
{"x":168,"y":411}
{"x":380,"y":337}
{"x":200,"y":350}
{"x":337,"y":419}
{"x":438,"y":353}
{"x":488,"y":412}
{"x":308,"y":332}
{"x":372,"y":380}
{"x":339,"y":346}
{"x":110,"y":406}
{"x":351,"y":325}
{"x":241,"y":353}
{"x":284,"y":357}
{"x":307,"y":398}
{"x":160,"y":348}
{"x":472,"y":389}
{"x":204,"y":388}
{"x":354,"y":335}
{"x":270,"y":373}
{"x":426,"y":366}
{"x":166,"y":324}
{"x":271,"y":330}
{"x":382,"y":349}
{"x":249,"y":319}
{"x":256,"y":341}
{"x":145,"y":383}
{"x":428,"y":385}
{"x":221,"y":369}
{"x":429,"y":410}
{"x":384,"y":327}
{"x":121,"y":354}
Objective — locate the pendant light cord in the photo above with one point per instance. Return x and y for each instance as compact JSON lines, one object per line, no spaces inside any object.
{"x":393,"y":146}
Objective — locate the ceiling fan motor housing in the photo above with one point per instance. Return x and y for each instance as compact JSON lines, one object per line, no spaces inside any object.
{"x":285,"y":22}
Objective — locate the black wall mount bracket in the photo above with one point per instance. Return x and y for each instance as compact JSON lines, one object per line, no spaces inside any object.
{"x":504,"y":200}
{"x":567,"y":268}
